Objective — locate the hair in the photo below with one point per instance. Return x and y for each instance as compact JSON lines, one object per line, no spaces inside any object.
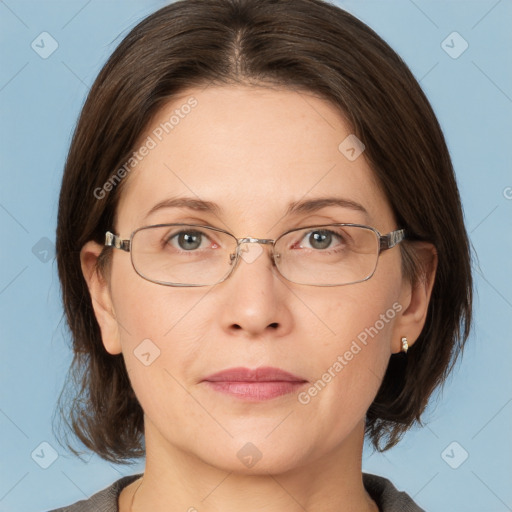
{"x":301,"y":45}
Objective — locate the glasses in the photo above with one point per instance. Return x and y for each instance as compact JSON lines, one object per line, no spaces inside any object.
{"x":195,"y":255}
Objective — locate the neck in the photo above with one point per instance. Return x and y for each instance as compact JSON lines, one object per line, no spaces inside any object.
{"x":175,"y":479}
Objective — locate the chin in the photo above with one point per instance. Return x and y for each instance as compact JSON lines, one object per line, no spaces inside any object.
{"x":258,"y":456}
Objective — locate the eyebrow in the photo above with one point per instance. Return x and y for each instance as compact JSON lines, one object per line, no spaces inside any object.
{"x":313,"y":205}
{"x":295,"y":207}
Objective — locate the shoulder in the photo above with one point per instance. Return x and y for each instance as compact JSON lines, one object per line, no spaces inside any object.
{"x":102,"y":501}
{"x":387,"y":496}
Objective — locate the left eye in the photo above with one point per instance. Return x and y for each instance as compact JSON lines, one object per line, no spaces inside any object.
{"x":321,"y":239}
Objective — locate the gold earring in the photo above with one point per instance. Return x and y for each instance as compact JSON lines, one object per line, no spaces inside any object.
{"x":405,"y":346}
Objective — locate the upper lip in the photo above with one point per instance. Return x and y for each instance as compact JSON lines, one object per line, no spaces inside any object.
{"x":263,"y":374}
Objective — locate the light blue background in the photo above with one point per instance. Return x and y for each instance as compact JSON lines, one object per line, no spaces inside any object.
{"x":40,"y":100}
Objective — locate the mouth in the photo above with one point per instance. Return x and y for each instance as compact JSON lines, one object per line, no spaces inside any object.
{"x":260,"y":384}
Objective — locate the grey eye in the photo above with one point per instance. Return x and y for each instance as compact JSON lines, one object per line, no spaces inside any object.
{"x":320,"y":239}
{"x":188,"y":240}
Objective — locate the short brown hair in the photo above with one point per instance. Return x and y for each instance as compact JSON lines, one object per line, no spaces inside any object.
{"x":306,"y":45}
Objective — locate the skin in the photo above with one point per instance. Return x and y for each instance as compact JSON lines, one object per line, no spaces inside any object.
{"x":253,"y":150}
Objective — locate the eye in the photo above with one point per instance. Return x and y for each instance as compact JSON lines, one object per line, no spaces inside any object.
{"x":187,"y":240}
{"x":321,"y":239}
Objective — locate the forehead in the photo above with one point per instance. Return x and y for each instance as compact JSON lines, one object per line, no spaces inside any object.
{"x":252,"y":151}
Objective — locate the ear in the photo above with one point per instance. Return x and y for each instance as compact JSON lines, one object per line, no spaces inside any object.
{"x":99,"y":290}
{"x":415,"y":298}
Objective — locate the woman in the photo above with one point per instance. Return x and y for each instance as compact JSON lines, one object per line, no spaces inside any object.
{"x":263,"y":259}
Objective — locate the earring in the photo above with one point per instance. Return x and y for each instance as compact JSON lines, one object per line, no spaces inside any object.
{"x":405,"y":346}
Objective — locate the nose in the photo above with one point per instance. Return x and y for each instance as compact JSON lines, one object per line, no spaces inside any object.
{"x":256,"y":299}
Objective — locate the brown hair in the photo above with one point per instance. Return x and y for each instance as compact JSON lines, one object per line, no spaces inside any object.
{"x":302,"y":45}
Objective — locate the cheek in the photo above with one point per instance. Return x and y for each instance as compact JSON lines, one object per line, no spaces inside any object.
{"x":162,"y":342}
{"x":166,"y":322}
{"x":362,"y":312}
{"x":161,"y":332}
{"x":351,"y":351}
{"x":148,"y":310}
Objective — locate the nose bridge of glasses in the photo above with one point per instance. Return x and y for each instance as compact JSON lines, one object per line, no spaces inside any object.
{"x":250,"y":240}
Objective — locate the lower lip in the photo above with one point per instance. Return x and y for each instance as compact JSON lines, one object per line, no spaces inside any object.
{"x":256,"y":391}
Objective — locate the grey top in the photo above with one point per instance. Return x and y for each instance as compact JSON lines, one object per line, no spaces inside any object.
{"x":382,"y":491}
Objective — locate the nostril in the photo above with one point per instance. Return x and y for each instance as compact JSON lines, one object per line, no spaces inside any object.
{"x":275,"y":325}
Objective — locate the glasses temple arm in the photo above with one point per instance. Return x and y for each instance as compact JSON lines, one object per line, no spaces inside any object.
{"x":391,"y":239}
{"x":112,"y":240}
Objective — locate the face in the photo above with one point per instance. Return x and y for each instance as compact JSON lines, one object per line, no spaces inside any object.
{"x":253,"y":151}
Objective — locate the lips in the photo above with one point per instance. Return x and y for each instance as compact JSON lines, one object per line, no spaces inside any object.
{"x":256,"y":385}
{"x":263,"y":374}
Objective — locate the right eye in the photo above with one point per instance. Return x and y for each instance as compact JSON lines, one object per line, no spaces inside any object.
{"x":188,"y":240}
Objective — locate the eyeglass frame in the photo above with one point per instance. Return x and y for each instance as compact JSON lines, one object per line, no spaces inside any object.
{"x":385,"y":242}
